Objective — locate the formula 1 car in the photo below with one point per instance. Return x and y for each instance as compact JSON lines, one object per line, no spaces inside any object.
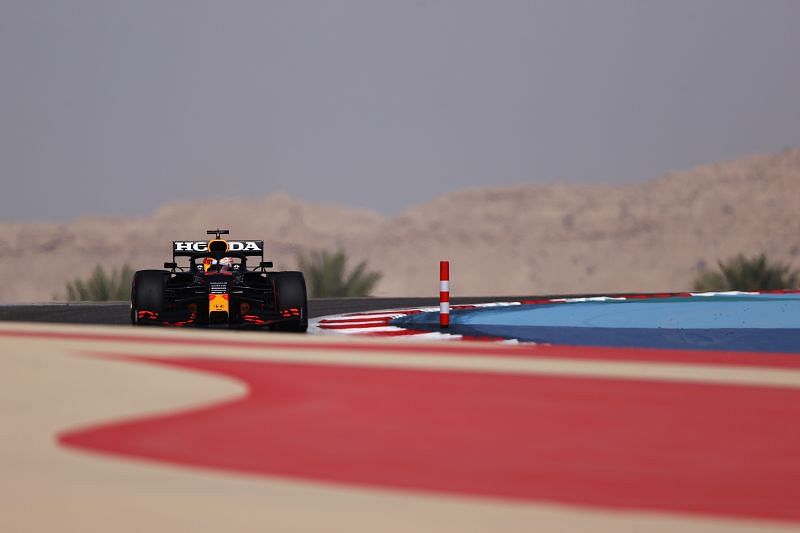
{"x":218,"y":288}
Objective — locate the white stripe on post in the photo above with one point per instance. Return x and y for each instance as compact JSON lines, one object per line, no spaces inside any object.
{"x":444,"y":294}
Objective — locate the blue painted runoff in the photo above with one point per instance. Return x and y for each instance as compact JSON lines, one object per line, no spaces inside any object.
{"x":761,"y":323}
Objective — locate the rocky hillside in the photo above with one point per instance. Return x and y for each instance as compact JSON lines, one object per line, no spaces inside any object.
{"x":649,"y":236}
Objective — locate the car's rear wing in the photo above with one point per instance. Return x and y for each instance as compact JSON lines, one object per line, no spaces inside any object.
{"x":189,"y":248}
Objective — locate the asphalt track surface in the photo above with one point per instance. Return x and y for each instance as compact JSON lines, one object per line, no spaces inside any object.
{"x":119,"y":312}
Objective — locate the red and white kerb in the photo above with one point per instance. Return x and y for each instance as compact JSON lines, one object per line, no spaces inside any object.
{"x":444,"y":294}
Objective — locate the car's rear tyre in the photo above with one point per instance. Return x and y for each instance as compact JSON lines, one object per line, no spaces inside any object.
{"x":290,"y":293}
{"x":147,"y":293}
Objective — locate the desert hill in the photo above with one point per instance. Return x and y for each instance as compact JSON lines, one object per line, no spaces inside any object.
{"x":649,"y":236}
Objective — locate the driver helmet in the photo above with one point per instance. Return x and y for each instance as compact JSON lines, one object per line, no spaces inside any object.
{"x":226,"y":264}
{"x":207,"y":262}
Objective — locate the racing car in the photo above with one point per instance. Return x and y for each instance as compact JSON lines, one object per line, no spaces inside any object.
{"x":219,"y":288}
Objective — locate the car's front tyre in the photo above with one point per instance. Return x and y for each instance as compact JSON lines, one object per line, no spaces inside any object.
{"x":147,"y":295}
{"x":290,"y":295}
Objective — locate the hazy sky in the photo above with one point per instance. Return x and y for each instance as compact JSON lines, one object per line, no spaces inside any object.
{"x":118,"y":106}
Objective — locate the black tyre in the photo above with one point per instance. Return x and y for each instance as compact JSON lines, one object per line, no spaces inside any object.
{"x":290,"y":293}
{"x":147,"y":292}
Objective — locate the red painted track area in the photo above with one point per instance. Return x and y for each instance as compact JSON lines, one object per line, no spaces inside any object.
{"x":718,"y":449}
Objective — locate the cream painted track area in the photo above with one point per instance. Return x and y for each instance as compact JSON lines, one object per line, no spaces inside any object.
{"x":87,"y":411}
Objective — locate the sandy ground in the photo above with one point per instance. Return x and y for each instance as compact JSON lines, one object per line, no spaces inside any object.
{"x":48,"y":385}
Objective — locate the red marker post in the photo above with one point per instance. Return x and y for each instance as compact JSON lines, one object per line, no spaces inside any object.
{"x":444,"y":294}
